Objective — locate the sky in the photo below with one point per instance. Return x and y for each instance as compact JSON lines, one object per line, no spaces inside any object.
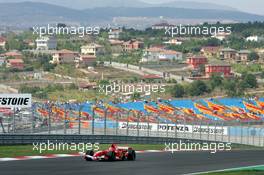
{"x":252,"y":6}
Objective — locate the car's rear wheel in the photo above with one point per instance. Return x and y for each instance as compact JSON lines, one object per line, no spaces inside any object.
{"x":111,"y":155}
{"x":131,"y":155}
{"x":89,"y":153}
{"x":123,"y":157}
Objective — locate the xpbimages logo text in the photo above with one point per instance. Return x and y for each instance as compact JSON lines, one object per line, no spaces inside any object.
{"x":60,"y":146}
{"x":196,"y":30}
{"x":131,"y":88}
{"x":213,"y":147}
{"x":80,"y":31}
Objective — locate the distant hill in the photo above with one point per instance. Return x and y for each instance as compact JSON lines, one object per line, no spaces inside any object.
{"x":85,"y":4}
{"x":29,"y":13}
{"x":195,"y":5}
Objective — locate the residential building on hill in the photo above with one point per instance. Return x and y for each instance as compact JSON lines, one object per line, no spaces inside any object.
{"x":255,"y":38}
{"x":221,"y":36}
{"x":210,"y":51}
{"x":92,"y":49}
{"x":13,"y":55}
{"x":160,"y":54}
{"x":196,"y":61}
{"x":219,"y":68}
{"x":15,"y":63}
{"x":114,"y":33}
{"x":228,"y":54}
{"x":132,"y":45}
{"x":3,"y":42}
{"x":46,"y":43}
{"x":86,"y":61}
{"x":64,"y":56}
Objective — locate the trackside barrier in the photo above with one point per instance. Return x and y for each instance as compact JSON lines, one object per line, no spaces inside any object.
{"x":19,"y":139}
{"x":85,"y":121}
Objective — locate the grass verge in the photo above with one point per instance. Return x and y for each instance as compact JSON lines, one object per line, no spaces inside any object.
{"x":244,"y":172}
{"x":27,"y":150}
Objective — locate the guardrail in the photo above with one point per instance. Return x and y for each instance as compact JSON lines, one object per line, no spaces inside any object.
{"x":18,"y":139}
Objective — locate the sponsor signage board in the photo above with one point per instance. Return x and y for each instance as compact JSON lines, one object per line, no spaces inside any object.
{"x":196,"y":129}
{"x":15,"y":100}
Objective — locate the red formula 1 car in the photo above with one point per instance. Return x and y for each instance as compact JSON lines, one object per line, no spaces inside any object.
{"x":111,"y":154}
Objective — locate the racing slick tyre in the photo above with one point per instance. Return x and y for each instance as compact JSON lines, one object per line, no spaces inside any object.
{"x":89,"y":153}
{"x":131,"y":155}
{"x":123,"y":157}
{"x":111,"y":156}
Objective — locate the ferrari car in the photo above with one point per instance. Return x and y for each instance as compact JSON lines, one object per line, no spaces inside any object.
{"x":111,"y":154}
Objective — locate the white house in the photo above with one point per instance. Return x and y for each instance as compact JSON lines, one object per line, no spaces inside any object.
{"x":2,"y":60}
{"x":46,"y":43}
{"x":173,"y":42}
{"x":255,"y":38}
{"x":160,"y":54}
{"x":92,"y":49}
{"x":114,"y":33}
{"x":221,"y":36}
{"x":2,"y":42}
{"x":169,"y":55}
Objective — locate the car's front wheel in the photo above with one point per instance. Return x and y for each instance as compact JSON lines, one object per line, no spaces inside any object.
{"x":89,"y":153}
{"x":131,"y":155}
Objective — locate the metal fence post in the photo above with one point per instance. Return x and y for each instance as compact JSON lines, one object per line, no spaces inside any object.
{"x":117,"y":118}
{"x":184,"y":133}
{"x":215,"y":132}
{"x":14,"y":120}
{"x":1,"y":123}
{"x":260,"y":132}
{"x":248,"y":133}
{"x":127,"y":123}
{"x":228,"y":128}
{"x":148,"y":125}
{"x":138,"y":123}
{"x":167,"y":132}
{"x":105,"y":115}
{"x":241,"y":128}
{"x":79,"y":120}
{"x":254,"y":135}
{"x":64,"y":126}
{"x":49,"y":119}
{"x":93,"y":113}
{"x":158,"y":122}
{"x":32,"y":118}
{"x":176,"y":129}
{"x":208,"y":133}
{"x":192,"y":128}
{"x":200,"y":130}
{"x":223,"y":131}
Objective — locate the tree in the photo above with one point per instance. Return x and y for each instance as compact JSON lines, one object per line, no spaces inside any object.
{"x":197,"y":88}
{"x":135,"y":96}
{"x":215,"y":81}
{"x":253,"y":56}
{"x":233,"y":88}
{"x":178,"y":91}
{"x":47,"y":66}
{"x":213,"y":42}
{"x":249,"y":81}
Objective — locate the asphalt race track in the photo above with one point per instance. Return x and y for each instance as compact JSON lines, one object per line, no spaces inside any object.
{"x":146,"y":163}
